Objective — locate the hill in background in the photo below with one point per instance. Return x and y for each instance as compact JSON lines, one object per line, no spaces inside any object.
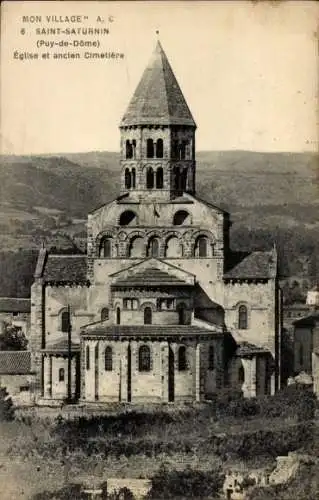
{"x":271,"y":197}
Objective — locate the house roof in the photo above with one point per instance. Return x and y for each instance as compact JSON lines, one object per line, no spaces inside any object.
{"x":14,"y":304}
{"x":158,"y":98}
{"x":309,"y":320}
{"x":151,"y":276}
{"x":15,"y":362}
{"x":256,"y":265}
{"x":149,"y":331}
{"x":248,"y":349}
{"x":65,"y":268}
{"x":62,"y":347}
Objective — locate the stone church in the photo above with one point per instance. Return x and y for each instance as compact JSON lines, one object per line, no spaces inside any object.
{"x":159,"y":309}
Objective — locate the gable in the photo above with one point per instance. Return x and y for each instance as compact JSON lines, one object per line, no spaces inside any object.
{"x":152,"y":272}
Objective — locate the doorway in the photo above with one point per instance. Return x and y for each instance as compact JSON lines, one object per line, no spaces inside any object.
{"x":171,"y":381}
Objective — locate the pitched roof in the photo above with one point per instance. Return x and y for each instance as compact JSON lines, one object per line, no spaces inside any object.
{"x":248,"y":349}
{"x":15,"y":362}
{"x":14,"y":304}
{"x":158,"y":99}
{"x":65,"y":268}
{"x":309,"y":320}
{"x":256,"y":265}
{"x":62,"y":347}
{"x":149,"y":331}
{"x":151,"y":276}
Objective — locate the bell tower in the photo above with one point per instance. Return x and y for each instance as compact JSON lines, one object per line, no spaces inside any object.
{"x":158,"y":136}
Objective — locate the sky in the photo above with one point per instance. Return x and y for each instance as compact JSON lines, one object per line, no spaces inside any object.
{"x":248,"y":70}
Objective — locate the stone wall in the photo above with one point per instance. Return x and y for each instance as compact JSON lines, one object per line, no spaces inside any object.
{"x":195,"y":382}
{"x":19,"y":387}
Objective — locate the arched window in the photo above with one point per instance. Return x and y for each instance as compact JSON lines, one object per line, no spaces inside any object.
{"x":144,"y":359}
{"x":127,"y":177}
{"x":181,"y":217}
{"x":108,"y":359}
{"x":153,"y":248}
{"x":128,"y":217}
{"x":133,"y":178}
{"x":175,"y":150}
{"x":242,"y":317}
{"x":181,"y":308}
{"x":65,"y":321}
{"x":173,"y":247}
{"x":87,"y":355}
{"x":105,"y":314}
{"x":176,"y":179}
{"x":241,"y":375}
{"x":61,"y":374}
{"x":105,"y":248}
{"x":149,"y":178}
{"x":128,"y":149}
{"x":159,"y":178}
{"x":301,"y":355}
{"x":118,"y":316}
{"x":147,"y":316}
{"x":201,"y":247}
{"x":149,"y":148}
{"x":211,"y":358}
{"x":134,"y":148}
{"x":184,"y":180}
{"x":182,"y":363}
{"x":159,"y":148}
{"x":136,"y":247}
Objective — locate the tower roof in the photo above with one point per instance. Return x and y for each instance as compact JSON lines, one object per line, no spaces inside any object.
{"x":158,"y":99}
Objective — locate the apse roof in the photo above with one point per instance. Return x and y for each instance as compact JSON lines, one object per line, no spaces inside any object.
{"x":149,"y":331}
{"x":158,"y":99}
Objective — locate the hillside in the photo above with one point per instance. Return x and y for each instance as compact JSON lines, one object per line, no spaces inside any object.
{"x":271,"y":197}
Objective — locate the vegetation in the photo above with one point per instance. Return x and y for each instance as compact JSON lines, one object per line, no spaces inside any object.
{"x":6,"y":406}
{"x":13,"y":339}
{"x":187,"y":483}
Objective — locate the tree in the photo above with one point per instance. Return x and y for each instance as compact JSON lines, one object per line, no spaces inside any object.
{"x":13,"y":339}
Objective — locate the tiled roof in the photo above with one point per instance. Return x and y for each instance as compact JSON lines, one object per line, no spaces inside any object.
{"x":150,"y":276}
{"x":256,"y":265}
{"x":149,"y":331}
{"x":13,"y":304}
{"x":67,"y":268}
{"x":15,"y":362}
{"x":62,"y":346}
{"x":247,"y":349}
{"x":158,"y":98}
{"x":309,"y":320}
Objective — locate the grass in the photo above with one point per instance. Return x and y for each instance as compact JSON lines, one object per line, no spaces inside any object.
{"x":42,"y":453}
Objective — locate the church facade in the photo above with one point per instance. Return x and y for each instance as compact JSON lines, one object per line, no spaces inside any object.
{"x":159,"y":309}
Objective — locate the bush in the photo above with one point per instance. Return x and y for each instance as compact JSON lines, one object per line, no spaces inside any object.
{"x":6,"y":405}
{"x":68,"y":492}
{"x":186,"y":484}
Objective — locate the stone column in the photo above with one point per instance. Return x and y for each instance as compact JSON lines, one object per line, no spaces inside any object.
{"x":197,"y":373}
{"x":123,"y":372}
{"x":164,"y":352}
{"x":50,"y":375}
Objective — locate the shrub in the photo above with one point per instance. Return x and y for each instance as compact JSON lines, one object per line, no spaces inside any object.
{"x":186,"y":484}
{"x":6,"y":405}
{"x":68,"y":492}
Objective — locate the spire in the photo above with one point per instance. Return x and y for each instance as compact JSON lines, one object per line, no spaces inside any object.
{"x":158,"y":99}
